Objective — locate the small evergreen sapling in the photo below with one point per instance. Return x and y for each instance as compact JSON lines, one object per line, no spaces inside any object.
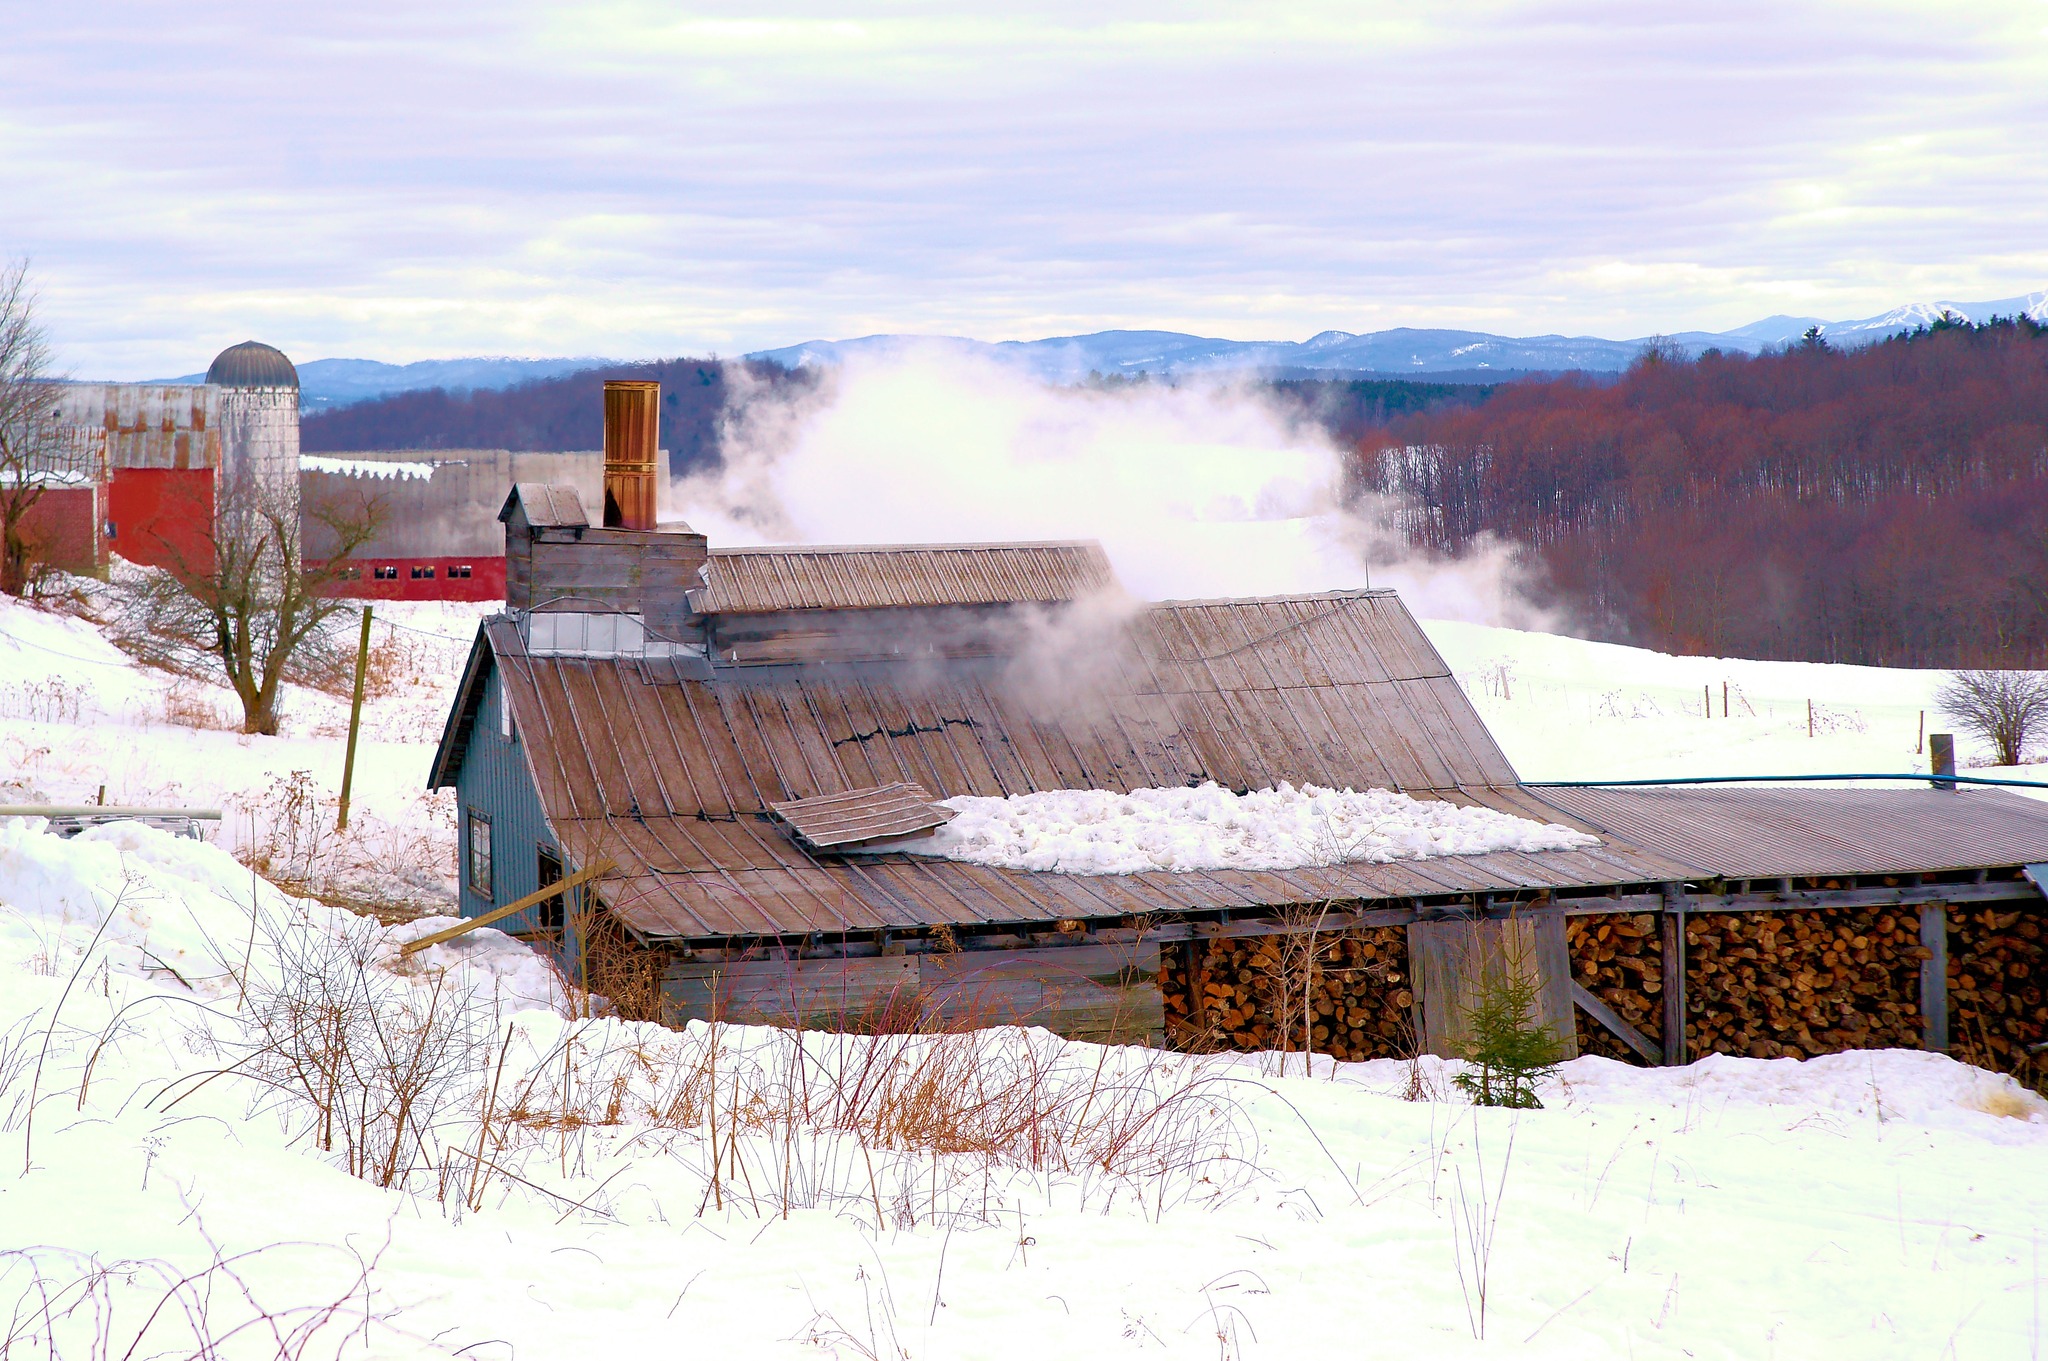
{"x":1509,"y":1051}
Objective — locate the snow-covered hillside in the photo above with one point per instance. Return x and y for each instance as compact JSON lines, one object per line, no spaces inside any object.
{"x":1566,"y":709}
{"x":339,"y":1150}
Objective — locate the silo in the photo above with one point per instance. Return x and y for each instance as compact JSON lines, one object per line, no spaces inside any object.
{"x":259,"y":424}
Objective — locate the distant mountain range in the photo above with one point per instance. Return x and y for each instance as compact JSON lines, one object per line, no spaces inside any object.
{"x":1470,"y":355}
{"x":1457,"y":356}
{"x":340,"y":382}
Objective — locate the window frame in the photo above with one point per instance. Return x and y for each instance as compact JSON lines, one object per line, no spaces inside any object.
{"x":471,"y":861}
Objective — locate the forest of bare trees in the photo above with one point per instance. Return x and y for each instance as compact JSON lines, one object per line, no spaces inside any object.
{"x":1884,"y":505}
{"x":551,"y":414}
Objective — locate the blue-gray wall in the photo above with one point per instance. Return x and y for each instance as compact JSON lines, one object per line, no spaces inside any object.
{"x":493,"y":779}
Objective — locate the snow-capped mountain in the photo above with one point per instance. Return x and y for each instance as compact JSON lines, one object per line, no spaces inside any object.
{"x":1403,"y":350}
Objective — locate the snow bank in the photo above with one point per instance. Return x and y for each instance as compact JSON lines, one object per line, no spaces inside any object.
{"x":1092,"y":831}
{"x":172,"y":909}
{"x":365,"y":467}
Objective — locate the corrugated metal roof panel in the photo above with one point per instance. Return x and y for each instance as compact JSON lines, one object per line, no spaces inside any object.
{"x":767,"y":580}
{"x":878,"y":813}
{"x":1770,"y":833}
{"x":676,"y":779}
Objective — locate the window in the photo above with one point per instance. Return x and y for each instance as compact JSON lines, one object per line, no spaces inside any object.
{"x":419,"y":573}
{"x":550,"y":866}
{"x":110,"y":529}
{"x":479,"y":853}
{"x":387,"y":573}
{"x":461,"y":570}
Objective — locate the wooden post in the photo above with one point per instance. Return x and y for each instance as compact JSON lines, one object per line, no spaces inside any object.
{"x":355,"y":722}
{"x":1934,"y":977}
{"x":1724,"y":699}
{"x":1809,"y":718}
{"x":1673,"y":920}
{"x":1920,"y":742}
{"x":1941,"y":754}
{"x":1706,"y":701}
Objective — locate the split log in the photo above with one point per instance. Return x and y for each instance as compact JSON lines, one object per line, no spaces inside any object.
{"x":1996,"y":977}
{"x":1352,"y":987}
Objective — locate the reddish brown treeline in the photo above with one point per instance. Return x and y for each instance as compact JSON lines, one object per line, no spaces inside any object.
{"x":1882,"y":505}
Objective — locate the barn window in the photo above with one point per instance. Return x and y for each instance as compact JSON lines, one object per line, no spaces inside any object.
{"x":422,"y":574}
{"x":387,"y":573}
{"x":479,"y":853}
{"x":461,"y":569}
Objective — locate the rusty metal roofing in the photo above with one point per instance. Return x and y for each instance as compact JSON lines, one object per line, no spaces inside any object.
{"x":765,"y":580}
{"x":547,"y":505}
{"x":859,"y":816}
{"x":1769,"y":833}
{"x":674,"y":777}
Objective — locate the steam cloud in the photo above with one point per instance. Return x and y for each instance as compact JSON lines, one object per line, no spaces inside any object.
{"x":1195,"y":490}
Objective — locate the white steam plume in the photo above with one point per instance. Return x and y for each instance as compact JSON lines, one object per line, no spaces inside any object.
{"x":1194,"y":490}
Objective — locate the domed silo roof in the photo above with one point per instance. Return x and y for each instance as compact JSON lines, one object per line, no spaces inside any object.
{"x":252,"y":364}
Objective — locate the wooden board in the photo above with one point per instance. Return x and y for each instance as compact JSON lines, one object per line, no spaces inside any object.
{"x":1095,"y":992}
{"x":1451,"y":960}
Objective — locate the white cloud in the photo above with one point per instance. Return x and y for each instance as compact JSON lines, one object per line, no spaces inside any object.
{"x":404,"y":181}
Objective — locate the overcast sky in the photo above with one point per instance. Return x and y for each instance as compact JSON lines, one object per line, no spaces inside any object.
{"x":438,"y":178}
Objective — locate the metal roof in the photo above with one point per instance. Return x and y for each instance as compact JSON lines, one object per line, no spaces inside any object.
{"x":881,"y":813}
{"x":674,"y":777}
{"x":252,"y":364}
{"x":674,"y":768}
{"x":547,"y":505}
{"x":764,"y":580}
{"x":1771,"y":833}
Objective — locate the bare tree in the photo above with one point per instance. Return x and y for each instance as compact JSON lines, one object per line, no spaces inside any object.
{"x":2004,"y":708}
{"x":256,"y":610}
{"x":29,"y":437}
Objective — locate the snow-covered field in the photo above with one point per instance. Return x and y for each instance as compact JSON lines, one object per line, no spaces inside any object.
{"x":185,"y":1081}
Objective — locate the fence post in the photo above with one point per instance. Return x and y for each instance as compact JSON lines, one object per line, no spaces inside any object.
{"x":355,"y":722}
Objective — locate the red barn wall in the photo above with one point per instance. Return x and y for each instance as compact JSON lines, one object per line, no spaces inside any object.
{"x":162,"y":516}
{"x":408,"y":579}
{"x":65,"y":526}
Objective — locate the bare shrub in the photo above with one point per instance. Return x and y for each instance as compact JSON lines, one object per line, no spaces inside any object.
{"x":60,"y":1302}
{"x":187,"y":704}
{"x":392,"y":870}
{"x":2004,"y":708}
{"x":364,"y":1063}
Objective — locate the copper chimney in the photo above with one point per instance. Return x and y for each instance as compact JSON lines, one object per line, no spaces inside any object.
{"x":632,"y":441}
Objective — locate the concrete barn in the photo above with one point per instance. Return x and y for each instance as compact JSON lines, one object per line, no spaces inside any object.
{"x":728,"y":734}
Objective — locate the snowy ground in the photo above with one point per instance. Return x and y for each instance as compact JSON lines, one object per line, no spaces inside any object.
{"x":582,"y":1186}
{"x":1567,"y":709}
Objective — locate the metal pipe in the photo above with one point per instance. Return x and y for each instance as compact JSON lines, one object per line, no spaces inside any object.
{"x":632,"y":437}
{"x":1919,"y":778}
{"x":80,"y":810}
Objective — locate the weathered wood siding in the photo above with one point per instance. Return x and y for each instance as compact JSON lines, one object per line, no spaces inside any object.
{"x":1094,"y":992}
{"x":1452,"y":962}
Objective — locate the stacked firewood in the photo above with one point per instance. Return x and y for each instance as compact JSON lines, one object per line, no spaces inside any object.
{"x":1799,"y":983}
{"x":1996,"y":974}
{"x":1620,"y":960}
{"x":1248,"y":994}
